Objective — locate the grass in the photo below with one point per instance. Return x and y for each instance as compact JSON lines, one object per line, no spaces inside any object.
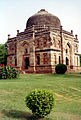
{"x":66,"y":88}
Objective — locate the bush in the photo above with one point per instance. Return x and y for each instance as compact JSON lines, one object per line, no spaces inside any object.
{"x":8,"y":72}
{"x":40,"y":102}
{"x":11,"y":72}
{"x":60,"y":68}
{"x":1,"y":70}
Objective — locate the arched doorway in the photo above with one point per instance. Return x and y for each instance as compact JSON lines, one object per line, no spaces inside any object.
{"x":27,"y":63}
{"x":59,"y":59}
{"x":68,"y":54}
{"x":67,"y":61}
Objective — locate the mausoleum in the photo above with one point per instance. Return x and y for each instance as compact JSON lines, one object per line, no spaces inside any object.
{"x":42,"y":45}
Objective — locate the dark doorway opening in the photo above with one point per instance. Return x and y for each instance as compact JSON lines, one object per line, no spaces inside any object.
{"x":15,"y":62}
{"x":27,"y":63}
{"x":26,"y":51}
{"x":67,"y":61}
{"x":38,"y":60}
{"x":59,"y":59}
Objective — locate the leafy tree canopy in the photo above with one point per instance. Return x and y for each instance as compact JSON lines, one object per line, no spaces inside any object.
{"x":3,"y":53}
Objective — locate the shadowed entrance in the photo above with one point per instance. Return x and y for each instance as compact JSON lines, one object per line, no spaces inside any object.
{"x":27,"y":63}
{"x":67,"y":61}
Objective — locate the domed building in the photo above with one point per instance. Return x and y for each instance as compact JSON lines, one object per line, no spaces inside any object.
{"x":43,"y":45}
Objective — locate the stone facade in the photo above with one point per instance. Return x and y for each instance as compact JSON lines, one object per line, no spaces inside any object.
{"x":42,"y":46}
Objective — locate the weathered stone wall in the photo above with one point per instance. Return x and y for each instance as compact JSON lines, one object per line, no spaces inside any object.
{"x":11,"y":49}
{"x":43,"y":50}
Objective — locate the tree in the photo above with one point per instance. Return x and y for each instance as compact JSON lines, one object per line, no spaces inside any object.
{"x":3,"y":54}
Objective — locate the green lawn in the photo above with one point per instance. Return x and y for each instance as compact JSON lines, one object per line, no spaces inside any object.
{"x":66,"y":88}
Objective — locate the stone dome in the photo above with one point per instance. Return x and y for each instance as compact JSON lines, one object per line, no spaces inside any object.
{"x":42,"y":18}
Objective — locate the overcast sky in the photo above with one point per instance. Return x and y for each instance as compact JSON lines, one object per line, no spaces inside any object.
{"x":14,"y":15}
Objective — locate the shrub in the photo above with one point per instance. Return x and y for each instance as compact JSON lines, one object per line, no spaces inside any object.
{"x":1,"y":70}
{"x":11,"y":72}
{"x":8,"y":72}
{"x":60,"y":68}
{"x":40,"y":102}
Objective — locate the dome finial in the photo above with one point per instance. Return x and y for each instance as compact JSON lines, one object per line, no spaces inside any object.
{"x":42,"y":10}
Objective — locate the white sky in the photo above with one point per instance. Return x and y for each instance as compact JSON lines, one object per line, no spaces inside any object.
{"x":14,"y":15}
